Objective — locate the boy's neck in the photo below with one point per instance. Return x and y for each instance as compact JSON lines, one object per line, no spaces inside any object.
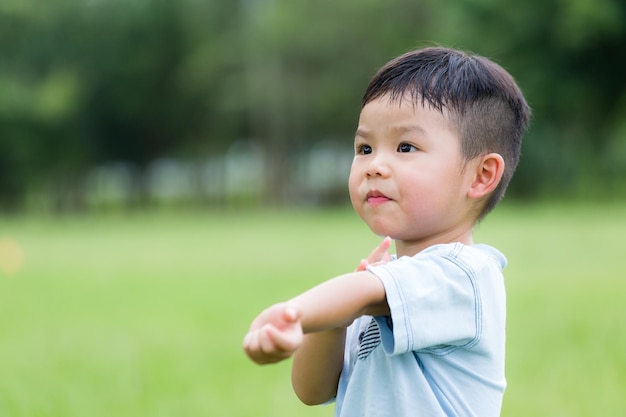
{"x":410,"y":248}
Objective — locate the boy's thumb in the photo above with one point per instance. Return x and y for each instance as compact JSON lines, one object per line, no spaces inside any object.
{"x":292,"y":314}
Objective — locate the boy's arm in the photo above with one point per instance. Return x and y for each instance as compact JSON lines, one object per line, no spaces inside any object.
{"x":317,"y":365}
{"x":318,"y":362}
{"x":327,"y":309}
{"x":277,"y":332}
{"x":337,"y":302}
{"x":346,"y":297}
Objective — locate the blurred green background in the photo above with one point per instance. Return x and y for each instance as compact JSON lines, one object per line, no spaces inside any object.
{"x":169,"y":168}
{"x":144,"y":314}
{"x":127,"y":103}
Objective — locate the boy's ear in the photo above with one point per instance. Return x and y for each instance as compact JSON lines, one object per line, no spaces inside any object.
{"x":487,"y":175}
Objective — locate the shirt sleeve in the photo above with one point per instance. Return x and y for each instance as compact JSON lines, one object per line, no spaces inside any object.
{"x":434,"y":301}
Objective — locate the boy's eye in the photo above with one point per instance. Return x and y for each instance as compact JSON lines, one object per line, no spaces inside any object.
{"x":364,"y":149}
{"x":406,"y":147}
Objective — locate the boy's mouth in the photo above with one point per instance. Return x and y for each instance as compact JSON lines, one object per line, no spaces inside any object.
{"x":376,"y":198}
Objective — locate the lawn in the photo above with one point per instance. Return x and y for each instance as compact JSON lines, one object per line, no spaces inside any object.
{"x":143,"y":315}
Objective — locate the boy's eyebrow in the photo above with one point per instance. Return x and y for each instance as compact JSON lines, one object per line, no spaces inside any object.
{"x":410,"y":128}
{"x":361,"y":132}
{"x":364,"y":133}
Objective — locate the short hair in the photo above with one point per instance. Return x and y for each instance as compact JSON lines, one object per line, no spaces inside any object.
{"x":483,"y":100}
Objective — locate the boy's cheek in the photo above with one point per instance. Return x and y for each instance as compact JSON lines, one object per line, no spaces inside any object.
{"x":353,"y":185}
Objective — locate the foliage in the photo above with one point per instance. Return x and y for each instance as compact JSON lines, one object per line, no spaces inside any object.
{"x":91,"y":82}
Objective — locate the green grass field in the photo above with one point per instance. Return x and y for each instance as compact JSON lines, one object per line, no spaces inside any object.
{"x":143,"y":315}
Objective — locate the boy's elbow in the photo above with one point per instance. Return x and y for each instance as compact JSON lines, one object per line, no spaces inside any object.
{"x":314,"y":398}
{"x":313,"y":393}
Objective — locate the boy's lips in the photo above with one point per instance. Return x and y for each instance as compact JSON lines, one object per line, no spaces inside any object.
{"x":376,"y":198}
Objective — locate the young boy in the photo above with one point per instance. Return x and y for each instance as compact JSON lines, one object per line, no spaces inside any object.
{"x":421,"y":334}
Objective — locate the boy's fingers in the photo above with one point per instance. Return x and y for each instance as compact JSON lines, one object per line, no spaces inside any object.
{"x":291,"y":314}
{"x":259,"y":349}
{"x":380,"y":251}
{"x":266,"y":342}
{"x":362,"y":265}
{"x":284,"y":343}
{"x":251,"y":346}
{"x":379,"y":254}
{"x":270,"y":345}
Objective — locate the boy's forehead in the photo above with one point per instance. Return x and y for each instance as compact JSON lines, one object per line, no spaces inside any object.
{"x":400,"y":116}
{"x":405,"y":107}
{"x":411,"y":99}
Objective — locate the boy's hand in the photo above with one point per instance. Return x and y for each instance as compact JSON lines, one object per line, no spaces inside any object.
{"x":274,"y":335}
{"x":378,"y":256}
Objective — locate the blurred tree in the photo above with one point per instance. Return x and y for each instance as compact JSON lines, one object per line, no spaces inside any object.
{"x":306,"y":66}
{"x":135,"y":110}
{"x":92,"y":82}
{"x":85,"y":83}
{"x":567,"y":56}
{"x":39,"y":101}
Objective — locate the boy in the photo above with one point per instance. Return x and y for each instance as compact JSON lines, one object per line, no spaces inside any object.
{"x":421,"y":334}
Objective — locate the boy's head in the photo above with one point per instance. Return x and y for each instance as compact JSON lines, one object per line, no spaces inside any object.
{"x":485,"y":106}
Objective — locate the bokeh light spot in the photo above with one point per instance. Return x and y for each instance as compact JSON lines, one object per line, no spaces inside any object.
{"x":11,"y":256}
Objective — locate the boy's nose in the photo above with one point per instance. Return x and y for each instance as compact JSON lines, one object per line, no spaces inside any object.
{"x":377,"y":167}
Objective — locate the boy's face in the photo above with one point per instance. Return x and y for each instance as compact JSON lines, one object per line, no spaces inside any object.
{"x":407,"y":178}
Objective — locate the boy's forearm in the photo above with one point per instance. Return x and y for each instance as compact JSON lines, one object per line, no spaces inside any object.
{"x":317,"y":365}
{"x":337,"y":302}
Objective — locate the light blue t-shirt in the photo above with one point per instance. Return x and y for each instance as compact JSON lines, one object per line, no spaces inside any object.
{"x":441,"y":352}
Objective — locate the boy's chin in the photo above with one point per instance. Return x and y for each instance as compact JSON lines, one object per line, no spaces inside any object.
{"x":378,"y":225}
{"x":381,"y":231}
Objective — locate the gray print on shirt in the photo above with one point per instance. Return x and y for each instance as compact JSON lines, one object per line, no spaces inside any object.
{"x":369,"y":339}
